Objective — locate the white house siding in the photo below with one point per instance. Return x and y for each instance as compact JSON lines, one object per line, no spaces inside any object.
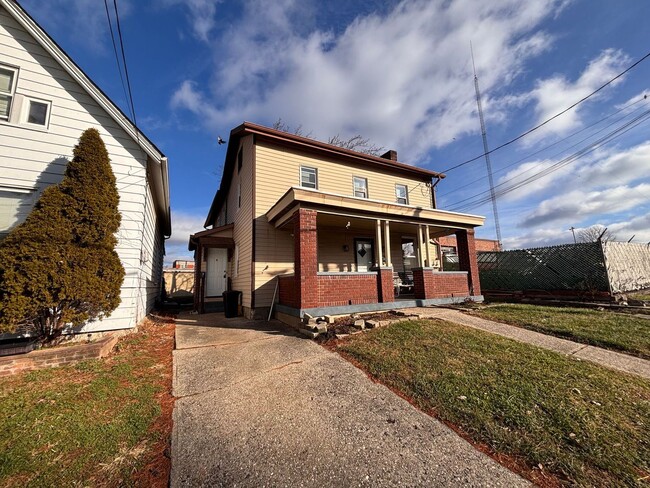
{"x":37,"y":158}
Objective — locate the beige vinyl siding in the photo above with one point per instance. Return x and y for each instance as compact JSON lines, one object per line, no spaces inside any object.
{"x":277,"y":169}
{"x":242,"y":218}
{"x":36,"y":158}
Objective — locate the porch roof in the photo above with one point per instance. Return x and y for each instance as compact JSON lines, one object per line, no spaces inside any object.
{"x":217,"y":237}
{"x":298,"y":197}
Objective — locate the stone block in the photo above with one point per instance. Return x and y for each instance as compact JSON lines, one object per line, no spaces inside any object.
{"x":329,"y":319}
{"x":308,"y":333}
{"x":321,"y":327}
{"x":360,"y":324}
{"x":371,"y":324}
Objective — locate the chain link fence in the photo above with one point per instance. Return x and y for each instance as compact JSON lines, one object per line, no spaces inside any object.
{"x":612,"y":267}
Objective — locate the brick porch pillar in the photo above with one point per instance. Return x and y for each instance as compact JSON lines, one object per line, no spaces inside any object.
{"x":467,"y":259}
{"x":385,"y":285}
{"x":305,"y":248}
{"x":423,"y":283}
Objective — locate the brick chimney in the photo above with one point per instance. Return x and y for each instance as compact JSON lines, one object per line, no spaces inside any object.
{"x":392,"y":155}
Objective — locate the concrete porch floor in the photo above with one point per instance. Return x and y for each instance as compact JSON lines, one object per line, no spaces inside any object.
{"x":259,"y":406}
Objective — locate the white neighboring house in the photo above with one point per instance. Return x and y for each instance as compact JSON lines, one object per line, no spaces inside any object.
{"x":46,"y":102}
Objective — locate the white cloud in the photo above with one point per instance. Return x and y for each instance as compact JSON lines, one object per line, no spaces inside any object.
{"x":576,"y":205}
{"x":639,"y":227}
{"x":538,"y":238}
{"x":201,"y":15}
{"x":555,"y":94}
{"x":185,"y":224}
{"x":402,"y":79}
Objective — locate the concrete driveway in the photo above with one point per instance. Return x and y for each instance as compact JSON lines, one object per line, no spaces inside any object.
{"x":259,"y":406}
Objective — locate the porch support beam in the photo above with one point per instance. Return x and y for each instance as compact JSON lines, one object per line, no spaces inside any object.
{"x":380,"y":256}
{"x":389,"y":261}
{"x":420,"y":250}
{"x":305,"y":239}
{"x":426,"y":243}
{"x":198,"y":291}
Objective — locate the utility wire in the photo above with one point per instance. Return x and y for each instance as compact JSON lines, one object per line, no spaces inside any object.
{"x":558,"y":142}
{"x":550,"y":119}
{"x":117,"y":57}
{"x":586,"y":150}
{"x":126,"y":70}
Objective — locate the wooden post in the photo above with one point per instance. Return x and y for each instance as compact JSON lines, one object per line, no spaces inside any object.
{"x":426,"y":237}
{"x":379,"y":255}
{"x":389,"y":261}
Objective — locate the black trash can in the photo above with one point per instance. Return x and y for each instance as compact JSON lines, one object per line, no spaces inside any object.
{"x":231,"y":303}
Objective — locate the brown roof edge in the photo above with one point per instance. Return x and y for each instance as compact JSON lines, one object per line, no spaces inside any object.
{"x":261,"y":130}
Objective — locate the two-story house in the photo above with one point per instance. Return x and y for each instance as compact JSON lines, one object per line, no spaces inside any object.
{"x":315,"y":228}
{"x":46,"y":102}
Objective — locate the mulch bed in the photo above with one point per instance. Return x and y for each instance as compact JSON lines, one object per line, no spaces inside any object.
{"x":156,"y":470}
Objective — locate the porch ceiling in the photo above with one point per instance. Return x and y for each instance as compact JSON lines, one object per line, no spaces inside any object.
{"x":366,"y":209}
{"x":217,"y":237}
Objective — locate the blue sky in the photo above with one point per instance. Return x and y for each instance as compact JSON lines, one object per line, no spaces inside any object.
{"x":400,"y":74}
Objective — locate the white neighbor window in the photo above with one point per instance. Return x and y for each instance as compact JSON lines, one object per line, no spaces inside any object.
{"x":15,"y":205}
{"x":8,"y":78}
{"x":36,"y":112}
{"x":402,"y":194}
{"x":309,"y":177}
{"x":360,"y":187}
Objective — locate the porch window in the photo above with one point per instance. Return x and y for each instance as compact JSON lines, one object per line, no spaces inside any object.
{"x":309,"y":177}
{"x":402,"y":194}
{"x":360,"y":187}
{"x":7,"y":88}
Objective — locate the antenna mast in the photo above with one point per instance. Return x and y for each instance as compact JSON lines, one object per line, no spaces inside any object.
{"x":486,"y":150}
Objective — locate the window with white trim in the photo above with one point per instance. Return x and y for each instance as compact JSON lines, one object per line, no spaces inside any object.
{"x":360,"y":187}
{"x":36,"y":112}
{"x":309,"y":177}
{"x":15,"y":205}
{"x":8,"y":78}
{"x":402,"y":194}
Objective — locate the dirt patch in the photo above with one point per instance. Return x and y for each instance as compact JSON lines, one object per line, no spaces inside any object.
{"x":157,"y":464}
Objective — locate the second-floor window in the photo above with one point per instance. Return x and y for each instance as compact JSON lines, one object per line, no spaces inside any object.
{"x":402,"y":194}
{"x":309,"y":177}
{"x":7,"y":89}
{"x":360,"y":187}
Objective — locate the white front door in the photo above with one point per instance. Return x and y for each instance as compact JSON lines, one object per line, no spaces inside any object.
{"x":215,"y":272}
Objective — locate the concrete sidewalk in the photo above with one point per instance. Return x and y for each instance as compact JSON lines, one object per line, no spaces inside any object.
{"x":604,"y":357}
{"x":259,"y":406}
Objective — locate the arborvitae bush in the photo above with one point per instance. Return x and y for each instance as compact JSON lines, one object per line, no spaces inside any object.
{"x":60,"y":266}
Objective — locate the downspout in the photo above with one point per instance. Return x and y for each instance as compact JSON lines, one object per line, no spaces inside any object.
{"x":434,"y":203}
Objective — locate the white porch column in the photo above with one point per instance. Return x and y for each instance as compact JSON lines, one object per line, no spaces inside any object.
{"x":379,"y":256}
{"x":426,"y":243}
{"x":420,"y":253}
{"x":389,"y":261}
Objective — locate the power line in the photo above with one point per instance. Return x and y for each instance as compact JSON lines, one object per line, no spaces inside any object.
{"x":470,"y":183}
{"x":560,"y":164}
{"x":550,"y":119}
{"x":117,"y":57}
{"x":126,"y":70}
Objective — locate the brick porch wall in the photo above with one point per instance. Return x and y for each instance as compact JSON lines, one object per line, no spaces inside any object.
{"x":305,"y":238}
{"x":385,"y":285}
{"x":341,"y":290}
{"x":434,"y":284}
{"x":287,"y":293}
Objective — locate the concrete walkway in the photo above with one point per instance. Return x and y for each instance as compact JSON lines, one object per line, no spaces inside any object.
{"x":604,"y":357}
{"x":259,"y":406}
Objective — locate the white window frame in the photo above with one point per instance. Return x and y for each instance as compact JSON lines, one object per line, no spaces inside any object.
{"x":12,"y":93}
{"x":25,"y":112}
{"x":363,"y":188}
{"x":30,"y":195}
{"x":302,"y":181}
{"x":406,"y":194}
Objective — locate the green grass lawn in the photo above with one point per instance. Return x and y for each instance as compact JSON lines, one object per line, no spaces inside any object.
{"x":90,"y":424}
{"x":580,"y":422}
{"x":644,"y":296}
{"x":617,"y":331}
